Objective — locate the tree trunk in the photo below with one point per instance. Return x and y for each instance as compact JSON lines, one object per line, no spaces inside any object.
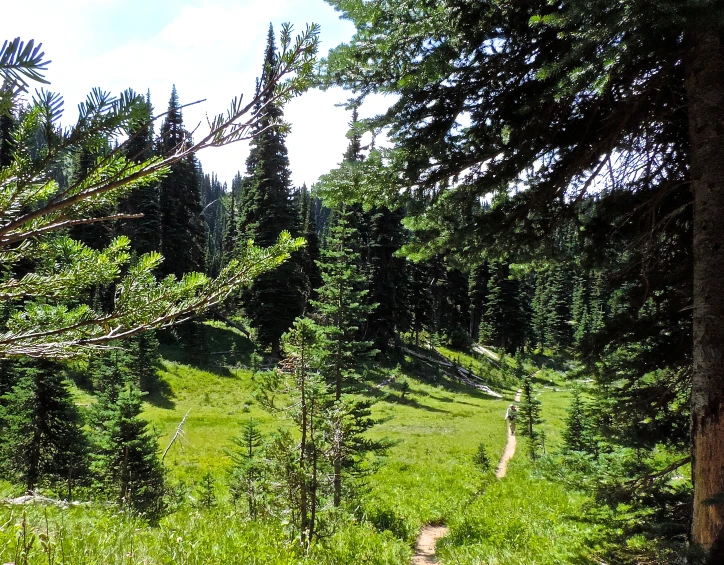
{"x":705,"y":92}
{"x":276,"y":349}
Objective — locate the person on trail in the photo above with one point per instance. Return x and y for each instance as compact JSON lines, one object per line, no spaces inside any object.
{"x":511,"y":414}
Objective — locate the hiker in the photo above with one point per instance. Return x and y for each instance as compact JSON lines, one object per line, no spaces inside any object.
{"x":511,"y":414}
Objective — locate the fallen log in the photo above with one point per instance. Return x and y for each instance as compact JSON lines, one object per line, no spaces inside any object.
{"x":38,"y":499}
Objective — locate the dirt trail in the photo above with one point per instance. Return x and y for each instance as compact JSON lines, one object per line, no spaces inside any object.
{"x":509,"y":447}
{"x":425,"y":554}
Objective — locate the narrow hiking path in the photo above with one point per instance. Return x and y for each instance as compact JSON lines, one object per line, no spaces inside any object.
{"x":509,"y":447}
{"x":426,"y":541}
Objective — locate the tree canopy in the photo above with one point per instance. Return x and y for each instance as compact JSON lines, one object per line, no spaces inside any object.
{"x":43,"y":313}
{"x":513,"y":117}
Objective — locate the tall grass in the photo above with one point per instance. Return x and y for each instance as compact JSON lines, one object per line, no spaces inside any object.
{"x":95,"y":535}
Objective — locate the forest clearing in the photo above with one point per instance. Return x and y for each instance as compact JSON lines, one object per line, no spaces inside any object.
{"x":429,"y":475}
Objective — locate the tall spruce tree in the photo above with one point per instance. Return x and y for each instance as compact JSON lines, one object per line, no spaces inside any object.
{"x":388,"y":278}
{"x":311,"y":253}
{"x":231,"y":227}
{"x":145,"y":233}
{"x":342,"y":306}
{"x":503,"y":323}
{"x":421,"y":298}
{"x":183,"y":233}
{"x":265,"y":210}
{"x":212,"y":192}
{"x":477,"y":291}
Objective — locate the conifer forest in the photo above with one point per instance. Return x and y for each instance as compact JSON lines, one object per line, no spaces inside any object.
{"x":492,"y":334}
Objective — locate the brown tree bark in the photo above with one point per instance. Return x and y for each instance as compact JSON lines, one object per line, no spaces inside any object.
{"x":705,"y":92}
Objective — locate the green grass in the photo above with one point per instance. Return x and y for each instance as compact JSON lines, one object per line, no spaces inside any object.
{"x":427,"y":476}
{"x":429,"y":470}
{"x":520,"y":520}
{"x":94,"y":535}
{"x":216,"y":405}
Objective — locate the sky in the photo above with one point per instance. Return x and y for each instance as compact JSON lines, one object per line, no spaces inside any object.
{"x":210,"y":49}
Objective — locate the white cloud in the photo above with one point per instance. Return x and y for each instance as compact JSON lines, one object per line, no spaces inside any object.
{"x":211,"y":49}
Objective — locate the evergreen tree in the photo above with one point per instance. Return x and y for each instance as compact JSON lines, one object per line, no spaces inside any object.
{"x":311,"y":253}
{"x":265,"y":210}
{"x":557,"y":323}
{"x":206,"y":491}
{"x":145,"y":233}
{"x":579,"y":310}
{"x":41,"y":435}
{"x":231,"y":229}
{"x":421,"y":298}
{"x":212,"y":192}
{"x":124,"y":457}
{"x":379,"y":234}
{"x":342,"y":305}
{"x":247,"y":478}
{"x":529,"y":419}
{"x":576,"y":428}
{"x":503,"y":322}
{"x":183,"y":233}
{"x":477,"y":291}
{"x":388,"y":278}
{"x":310,"y":395}
{"x":144,"y":360}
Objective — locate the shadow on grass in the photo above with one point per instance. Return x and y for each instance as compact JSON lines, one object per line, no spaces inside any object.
{"x":452,"y":400}
{"x":660,"y":537}
{"x":159,"y":393}
{"x":210,"y":346}
{"x":396,"y":396}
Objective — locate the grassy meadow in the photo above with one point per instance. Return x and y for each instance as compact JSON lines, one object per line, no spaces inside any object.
{"x":434,"y":426}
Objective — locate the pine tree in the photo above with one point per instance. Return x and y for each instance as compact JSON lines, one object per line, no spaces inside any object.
{"x":183,"y":233}
{"x":212,"y":192}
{"x":341,"y":306}
{"x":558,"y":328}
{"x":503,"y":322}
{"x":265,"y":210}
{"x":575,"y":434}
{"x":125,"y":462}
{"x":145,"y":233}
{"x":231,"y":228}
{"x":379,"y":234}
{"x":477,"y":291}
{"x":388,"y":278}
{"x":310,"y":255}
{"x":247,"y":477}
{"x":144,"y":360}
{"x":206,"y":491}
{"x":41,"y":435}
{"x":420,"y":298}
{"x":529,"y":418}
{"x":310,"y":395}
